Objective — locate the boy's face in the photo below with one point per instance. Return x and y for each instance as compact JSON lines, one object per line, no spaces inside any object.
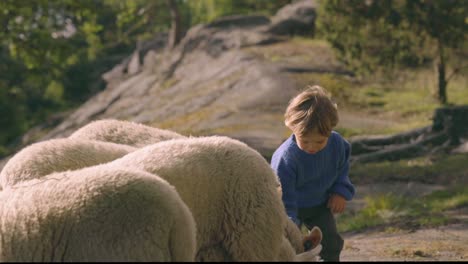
{"x":311,"y":142}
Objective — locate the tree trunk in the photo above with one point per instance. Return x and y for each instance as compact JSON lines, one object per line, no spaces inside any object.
{"x":175,"y":32}
{"x":442,"y":81}
{"x":453,"y":120}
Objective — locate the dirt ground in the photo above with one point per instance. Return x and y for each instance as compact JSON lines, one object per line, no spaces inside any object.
{"x":447,"y":243}
{"x":444,"y":243}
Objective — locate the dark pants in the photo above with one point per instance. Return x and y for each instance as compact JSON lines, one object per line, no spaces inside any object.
{"x":321,"y":216}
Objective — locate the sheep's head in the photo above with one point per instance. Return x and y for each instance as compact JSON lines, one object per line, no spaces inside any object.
{"x":312,"y":246}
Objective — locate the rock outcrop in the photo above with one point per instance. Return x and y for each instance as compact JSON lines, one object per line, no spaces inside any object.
{"x":207,"y":85}
{"x":217,"y":81}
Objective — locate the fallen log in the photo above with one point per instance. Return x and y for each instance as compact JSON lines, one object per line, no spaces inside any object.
{"x":377,"y":143}
{"x":403,"y":151}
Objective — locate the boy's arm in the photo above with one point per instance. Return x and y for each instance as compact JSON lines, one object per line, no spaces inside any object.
{"x":287,"y":177}
{"x":343,"y":185}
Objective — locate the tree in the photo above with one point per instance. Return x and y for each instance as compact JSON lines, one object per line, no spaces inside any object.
{"x":371,"y":34}
{"x":53,"y":52}
{"x":175,"y":34}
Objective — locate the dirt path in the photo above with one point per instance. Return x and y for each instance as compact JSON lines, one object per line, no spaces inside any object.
{"x":445,"y":243}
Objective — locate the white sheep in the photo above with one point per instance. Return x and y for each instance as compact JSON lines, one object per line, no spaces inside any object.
{"x":232,"y":193}
{"x":278,"y":245}
{"x":124,"y":132}
{"x":56,"y":155}
{"x":99,"y":214}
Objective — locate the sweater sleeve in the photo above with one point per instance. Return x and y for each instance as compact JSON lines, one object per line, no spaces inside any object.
{"x":287,"y":176}
{"x":343,"y":185}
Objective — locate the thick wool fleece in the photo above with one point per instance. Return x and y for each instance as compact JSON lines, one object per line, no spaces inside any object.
{"x":231,"y":191}
{"x":99,"y":214}
{"x":56,"y":155}
{"x":294,"y":235}
{"x":124,"y":132}
{"x":226,"y":184}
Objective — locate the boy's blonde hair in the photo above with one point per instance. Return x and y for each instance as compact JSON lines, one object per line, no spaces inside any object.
{"x":311,"y":110}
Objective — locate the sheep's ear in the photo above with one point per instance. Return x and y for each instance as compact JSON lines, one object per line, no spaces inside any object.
{"x":312,"y":239}
{"x":315,"y":235}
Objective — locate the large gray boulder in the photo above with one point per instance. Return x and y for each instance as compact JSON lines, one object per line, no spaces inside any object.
{"x":295,"y":19}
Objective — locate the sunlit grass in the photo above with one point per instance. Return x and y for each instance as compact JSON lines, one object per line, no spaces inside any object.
{"x":349,"y":132}
{"x":444,"y":200}
{"x":400,"y":212}
{"x":443,"y":169}
{"x":378,"y":210}
{"x":458,"y":91}
{"x":409,"y":101}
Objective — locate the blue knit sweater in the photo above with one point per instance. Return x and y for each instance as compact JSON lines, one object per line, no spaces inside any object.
{"x":307,"y":180}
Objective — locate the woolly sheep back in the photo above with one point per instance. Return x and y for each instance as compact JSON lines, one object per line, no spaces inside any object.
{"x":56,"y":155}
{"x":231,"y":191}
{"x":96,"y":214}
{"x":124,"y":132}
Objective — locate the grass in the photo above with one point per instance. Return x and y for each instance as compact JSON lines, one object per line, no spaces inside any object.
{"x":443,"y":200}
{"x":306,"y":51}
{"x":378,"y":211}
{"x":444,"y":169}
{"x":393,"y":212}
{"x":350,"y":132}
{"x":409,"y":100}
{"x":404,"y":212}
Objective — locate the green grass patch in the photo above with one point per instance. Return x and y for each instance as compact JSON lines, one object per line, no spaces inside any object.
{"x":446,"y":200}
{"x":398,"y":212}
{"x":378,"y":211}
{"x":408,"y":100}
{"x":339,"y":86}
{"x":444,"y":169}
{"x":348,"y":132}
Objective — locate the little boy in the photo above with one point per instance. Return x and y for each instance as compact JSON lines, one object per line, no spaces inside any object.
{"x":312,"y":166}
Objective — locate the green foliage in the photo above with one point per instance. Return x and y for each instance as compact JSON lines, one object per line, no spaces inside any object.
{"x":362,"y":35}
{"x":53,"y":52}
{"x":12,"y":120}
{"x":207,"y":10}
{"x":12,"y":98}
{"x":54,"y":91}
{"x":372,"y":36}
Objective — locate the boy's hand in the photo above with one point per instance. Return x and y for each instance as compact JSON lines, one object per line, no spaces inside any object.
{"x":336,"y":203}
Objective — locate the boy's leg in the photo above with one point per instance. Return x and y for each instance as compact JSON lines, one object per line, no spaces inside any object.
{"x":332,"y":242}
